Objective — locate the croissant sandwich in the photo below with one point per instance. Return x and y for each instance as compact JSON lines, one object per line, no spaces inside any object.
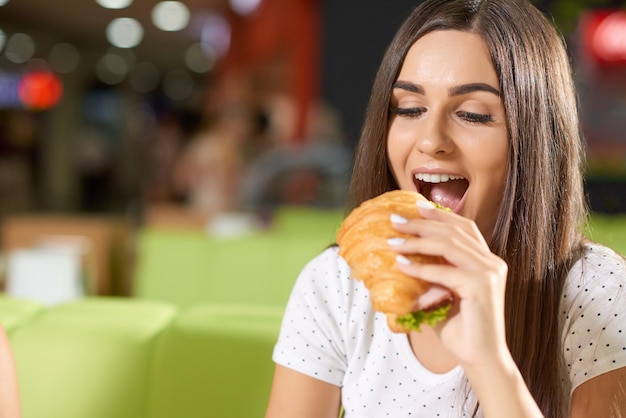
{"x":362,"y":240}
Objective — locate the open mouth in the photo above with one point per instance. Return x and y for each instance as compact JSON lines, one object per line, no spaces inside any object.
{"x":445,"y":189}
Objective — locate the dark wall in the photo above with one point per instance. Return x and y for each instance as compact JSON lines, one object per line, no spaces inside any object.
{"x":606,"y":195}
{"x":355,"y":35}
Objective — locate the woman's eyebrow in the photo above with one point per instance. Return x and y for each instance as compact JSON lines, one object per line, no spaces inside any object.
{"x":405,"y":85}
{"x":472,"y":87}
{"x":453,"y":91}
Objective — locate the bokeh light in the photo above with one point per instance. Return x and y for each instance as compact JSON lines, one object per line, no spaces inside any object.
{"x":244,"y":7}
{"x":40,"y":90}
{"x":200,"y":58}
{"x":19,"y":48}
{"x":170,"y":16}
{"x":124,"y":32}
{"x":609,"y":38}
{"x":216,"y":33}
{"x":114,"y":4}
{"x":111,"y":69}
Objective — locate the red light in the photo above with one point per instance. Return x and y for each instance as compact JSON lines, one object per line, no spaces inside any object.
{"x":40,"y":90}
{"x":604,"y":36}
{"x":608,"y":40}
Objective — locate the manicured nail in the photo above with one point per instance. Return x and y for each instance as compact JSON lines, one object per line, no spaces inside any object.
{"x":403,"y":260}
{"x":425,"y":205}
{"x":397,"y":219}
{"x":395,"y":241}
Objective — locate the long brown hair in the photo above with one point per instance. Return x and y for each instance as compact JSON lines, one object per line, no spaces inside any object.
{"x":537,"y":231}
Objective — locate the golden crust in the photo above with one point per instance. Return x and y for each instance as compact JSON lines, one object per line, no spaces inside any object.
{"x":362,"y":241}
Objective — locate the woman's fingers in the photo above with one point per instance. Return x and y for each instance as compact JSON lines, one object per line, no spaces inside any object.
{"x":435,"y":238}
{"x":473,"y":269}
{"x":460,"y":281}
{"x":450,"y":247}
{"x":435,"y":221}
{"x":449,"y":218}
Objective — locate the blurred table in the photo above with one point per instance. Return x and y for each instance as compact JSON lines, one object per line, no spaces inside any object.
{"x":105,"y":242}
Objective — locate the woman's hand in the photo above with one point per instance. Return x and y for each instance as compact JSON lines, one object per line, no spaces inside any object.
{"x":474,"y":331}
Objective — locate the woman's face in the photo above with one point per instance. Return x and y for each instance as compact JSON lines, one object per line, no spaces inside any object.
{"x":447,"y":136}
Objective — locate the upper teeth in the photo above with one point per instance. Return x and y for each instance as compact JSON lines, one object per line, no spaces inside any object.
{"x":436,"y":178}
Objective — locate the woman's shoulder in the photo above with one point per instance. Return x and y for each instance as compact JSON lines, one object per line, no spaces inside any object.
{"x":592,"y":311}
{"x":594,"y":283}
{"x":597,"y":264}
{"x":329,"y":257}
{"x":327,"y":266}
{"x":328,"y":274}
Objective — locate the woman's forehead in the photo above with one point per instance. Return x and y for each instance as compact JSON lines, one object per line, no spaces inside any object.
{"x":449,"y":57}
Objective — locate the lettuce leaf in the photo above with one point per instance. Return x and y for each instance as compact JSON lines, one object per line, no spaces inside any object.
{"x":413,"y":320}
{"x":442,"y":207}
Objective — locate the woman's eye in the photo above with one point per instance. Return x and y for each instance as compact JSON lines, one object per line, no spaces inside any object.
{"x":407,"y":111}
{"x":475,"y":117}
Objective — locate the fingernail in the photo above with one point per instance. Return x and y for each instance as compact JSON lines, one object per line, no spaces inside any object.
{"x":397,"y":219}
{"x":403,"y":260}
{"x":395,"y":241}
{"x":425,"y":205}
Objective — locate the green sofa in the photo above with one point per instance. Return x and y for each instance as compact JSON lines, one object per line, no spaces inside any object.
{"x":195,"y":339}
{"x":128,"y":358}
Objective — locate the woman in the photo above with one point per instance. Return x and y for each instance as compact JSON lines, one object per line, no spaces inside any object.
{"x":9,"y":393}
{"x":474,"y":107}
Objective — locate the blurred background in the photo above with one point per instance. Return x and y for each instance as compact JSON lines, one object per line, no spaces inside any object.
{"x":98,"y":100}
{"x":171,"y":114}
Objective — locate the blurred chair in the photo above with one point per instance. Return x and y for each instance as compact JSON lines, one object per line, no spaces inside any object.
{"x":89,"y":358}
{"x":170,"y":265}
{"x":188,"y":268}
{"x":16,"y":312}
{"x":215,"y":361}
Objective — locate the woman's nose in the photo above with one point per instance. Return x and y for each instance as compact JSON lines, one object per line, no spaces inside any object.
{"x":434,"y":138}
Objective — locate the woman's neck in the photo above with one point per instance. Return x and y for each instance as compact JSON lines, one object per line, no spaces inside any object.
{"x":429,"y":351}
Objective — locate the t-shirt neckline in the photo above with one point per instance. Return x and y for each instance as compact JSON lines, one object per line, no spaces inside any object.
{"x":401,"y":341}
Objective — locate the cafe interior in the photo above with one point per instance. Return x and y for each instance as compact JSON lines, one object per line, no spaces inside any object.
{"x":167,"y":168}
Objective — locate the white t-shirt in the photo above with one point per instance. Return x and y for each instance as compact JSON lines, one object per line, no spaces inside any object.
{"x":331,"y":332}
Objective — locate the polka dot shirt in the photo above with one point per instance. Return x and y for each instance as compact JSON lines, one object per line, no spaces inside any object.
{"x":330,"y":332}
{"x":593,"y":314}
